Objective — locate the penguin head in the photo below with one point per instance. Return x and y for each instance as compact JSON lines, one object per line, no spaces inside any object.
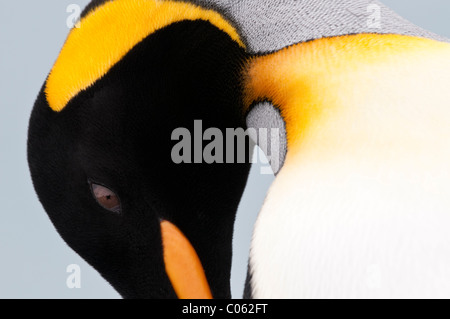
{"x":100,"y":154}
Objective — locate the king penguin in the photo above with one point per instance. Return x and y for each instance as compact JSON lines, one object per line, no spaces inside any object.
{"x":358,"y":98}
{"x":101,"y":141}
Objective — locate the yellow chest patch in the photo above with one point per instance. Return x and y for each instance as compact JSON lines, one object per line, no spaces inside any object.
{"x":347,"y":93}
{"x":365,"y":187}
{"x":108,"y":33}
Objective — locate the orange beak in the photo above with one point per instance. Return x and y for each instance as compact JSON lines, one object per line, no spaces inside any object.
{"x":183,"y":266}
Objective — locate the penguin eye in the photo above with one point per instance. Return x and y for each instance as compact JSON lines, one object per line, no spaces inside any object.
{"x":106,"y":198}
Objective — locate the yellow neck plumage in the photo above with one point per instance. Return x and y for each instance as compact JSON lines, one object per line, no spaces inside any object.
{"x":338,"y":94}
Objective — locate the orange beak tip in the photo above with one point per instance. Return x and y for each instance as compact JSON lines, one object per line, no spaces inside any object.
{"x":183,"y":266}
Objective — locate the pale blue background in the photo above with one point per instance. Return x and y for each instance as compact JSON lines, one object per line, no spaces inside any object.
{"x":33,"y":258}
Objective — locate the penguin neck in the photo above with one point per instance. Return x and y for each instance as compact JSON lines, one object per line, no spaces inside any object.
{"x":358,"y":98}
{"x":367,"y":154}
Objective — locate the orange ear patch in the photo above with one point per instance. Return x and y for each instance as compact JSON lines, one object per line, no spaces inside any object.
{"x":108,"y":33}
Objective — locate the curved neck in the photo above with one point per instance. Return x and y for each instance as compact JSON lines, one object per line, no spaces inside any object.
{"x":343,"y":94}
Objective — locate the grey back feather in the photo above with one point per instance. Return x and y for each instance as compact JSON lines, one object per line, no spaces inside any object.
{"x":270,"y":25}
